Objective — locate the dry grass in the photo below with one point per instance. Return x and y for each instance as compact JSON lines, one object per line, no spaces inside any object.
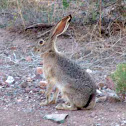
{"x":101,"y":42}
{"x":26,"y":12}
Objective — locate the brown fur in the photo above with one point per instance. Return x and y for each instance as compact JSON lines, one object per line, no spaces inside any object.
{"x":74,"y":83}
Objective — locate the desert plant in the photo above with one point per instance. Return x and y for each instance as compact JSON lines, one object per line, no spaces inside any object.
{"x":119,"y":77}
{"x":66,"y":3}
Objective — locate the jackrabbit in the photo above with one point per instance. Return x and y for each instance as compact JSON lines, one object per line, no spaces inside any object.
{"x":75,"y":84}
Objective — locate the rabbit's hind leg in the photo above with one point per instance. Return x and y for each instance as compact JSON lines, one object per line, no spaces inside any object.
{"x":91,"y":104}
{"x":68,"y":105}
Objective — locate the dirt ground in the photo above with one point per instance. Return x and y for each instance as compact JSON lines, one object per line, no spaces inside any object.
{"x":19,"y":101}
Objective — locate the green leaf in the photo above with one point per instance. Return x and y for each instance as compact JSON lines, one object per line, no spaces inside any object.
{"x":65,"y":4}
{"x":119,"y":77}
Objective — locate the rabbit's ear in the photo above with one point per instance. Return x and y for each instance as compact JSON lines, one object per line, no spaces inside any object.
{"x":61,"y":26}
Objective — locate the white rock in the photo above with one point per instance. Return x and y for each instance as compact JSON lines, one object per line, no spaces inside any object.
{"x":60,"y":118}
{"x":9,"y":80}
{"x":101,"y":99}
{"x":89,"y":71}
{"x":99,"y":93}
{"x":123,"y":123}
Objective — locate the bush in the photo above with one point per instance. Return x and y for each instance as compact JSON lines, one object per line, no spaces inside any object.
{"x":119,"y":77}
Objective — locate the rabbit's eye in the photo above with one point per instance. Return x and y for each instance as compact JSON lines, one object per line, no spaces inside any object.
{"x":41,"y":42}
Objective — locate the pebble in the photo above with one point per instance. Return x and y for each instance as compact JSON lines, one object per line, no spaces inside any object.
{"x":9,"y":80}
{"x":89,"y":71}
{"x":29,"y":79}
{"x":27,"y":90}
{"x":28,"y":58}
{"x":98,"y":124}
{"x":99,"y":93}
{"x":42,"y":84}
{"x":24,"y":85}
{"x":123,"y":123}
{"x":39,"y":70}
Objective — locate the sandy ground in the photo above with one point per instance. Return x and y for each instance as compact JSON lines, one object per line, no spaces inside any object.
{"x":19,"y":101}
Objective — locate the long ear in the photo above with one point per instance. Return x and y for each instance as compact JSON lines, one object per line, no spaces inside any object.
{"x":61,"y":26}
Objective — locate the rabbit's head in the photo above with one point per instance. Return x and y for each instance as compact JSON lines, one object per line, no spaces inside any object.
{"x":49,"y":44}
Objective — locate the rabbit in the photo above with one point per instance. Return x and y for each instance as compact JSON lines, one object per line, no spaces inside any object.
{"x":77,"y":87}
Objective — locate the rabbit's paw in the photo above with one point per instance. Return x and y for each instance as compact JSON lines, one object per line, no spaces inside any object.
{"x":65,"y":107}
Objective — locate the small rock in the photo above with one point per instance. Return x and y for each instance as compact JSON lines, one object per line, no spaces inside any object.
{"x":39,"y":70}
{"x":29,"y":59}
{"x":19,"y":100}
{"x":29,"y":79}
{"x":24,"y":85}
{"x":42,"y":92}
{"x":9,"y":80}
{"x":42,"y":84}
{"x":59,"y":118}
{"x":100,"y":93}
{"x":1,"y":87}
{"x":98,"y":124}
{"x":89,"y":71}
{"x":123,"y":123}
{"x":27,"y":90}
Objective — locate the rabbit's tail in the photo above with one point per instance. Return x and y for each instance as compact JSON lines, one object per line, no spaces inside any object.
{"x":91,"y":102}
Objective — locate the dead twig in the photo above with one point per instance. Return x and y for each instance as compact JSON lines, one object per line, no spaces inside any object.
{"x":20,"y":13}
{"x":100,"y":5}
{"x":39,"y":25}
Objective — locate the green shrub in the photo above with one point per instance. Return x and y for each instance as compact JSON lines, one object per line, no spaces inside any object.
{"x":65,"y":3}
{"x":119,"y":77}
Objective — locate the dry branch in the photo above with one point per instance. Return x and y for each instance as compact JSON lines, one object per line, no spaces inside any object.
{"x":39,"y":25}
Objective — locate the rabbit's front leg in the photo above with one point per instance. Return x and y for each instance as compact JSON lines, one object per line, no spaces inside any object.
{"x":49,"y":90}
{"x":48,"y":94}
{"x":54,"y":97}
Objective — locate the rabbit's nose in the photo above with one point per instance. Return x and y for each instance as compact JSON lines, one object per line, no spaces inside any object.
{"x":35,"y":49}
